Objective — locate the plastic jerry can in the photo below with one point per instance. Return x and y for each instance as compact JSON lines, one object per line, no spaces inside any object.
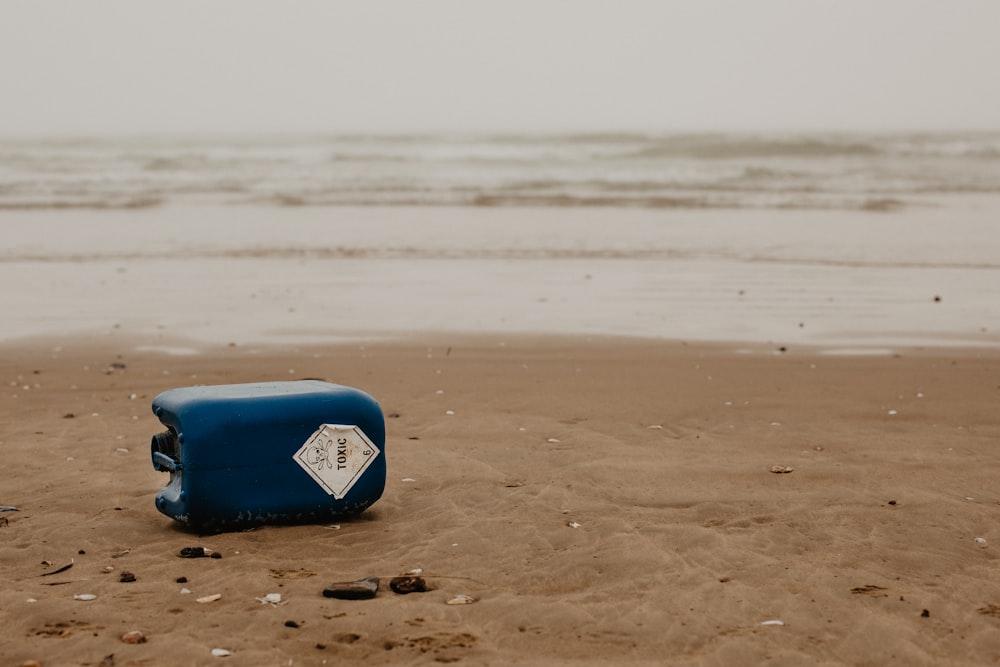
{"x":242,"y":455}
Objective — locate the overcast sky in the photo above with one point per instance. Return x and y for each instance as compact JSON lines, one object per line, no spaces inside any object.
{"x":113,"y":66}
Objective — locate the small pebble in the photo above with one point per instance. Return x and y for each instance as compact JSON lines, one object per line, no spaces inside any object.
{"x":181,"y":580}
{"x":772,"y":622}
{"x":194,"y":552}
{"x":362,"y":589}
{"x":209,"y":598}
{"x":85,"y":597}
{"x":134,"y":637}
{"x":126,"y":577}
{"x":925,"y":614}
{"x":291,"y":624}
{"x":981,"y":541}
{"x":404,"y":585}
{"x":221,"y":652}
{"x":780,"y":470}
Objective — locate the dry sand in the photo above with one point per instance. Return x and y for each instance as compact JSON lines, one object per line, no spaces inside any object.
{"x":605,"y":500}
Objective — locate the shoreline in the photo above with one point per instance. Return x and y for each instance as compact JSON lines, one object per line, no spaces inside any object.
{"x":279,"y":300}
{"x":223,"y":274}
{"x":179,"y":347}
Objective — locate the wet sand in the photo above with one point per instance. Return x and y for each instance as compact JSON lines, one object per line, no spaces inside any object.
{"x":921,"y":276}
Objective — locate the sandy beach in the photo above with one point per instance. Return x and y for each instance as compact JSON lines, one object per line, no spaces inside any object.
{"x":605,"y":500}
{"x":582,"y":422}
{"x":682,"y":318}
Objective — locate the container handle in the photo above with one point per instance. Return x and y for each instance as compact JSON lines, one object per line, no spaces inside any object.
{"x":162,"y":462}
{"x":164,"y":449}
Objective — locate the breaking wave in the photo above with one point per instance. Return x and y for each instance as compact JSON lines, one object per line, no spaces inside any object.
{"x":822,"y":171}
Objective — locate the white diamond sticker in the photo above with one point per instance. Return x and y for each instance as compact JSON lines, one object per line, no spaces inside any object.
{"x":336,"y":456}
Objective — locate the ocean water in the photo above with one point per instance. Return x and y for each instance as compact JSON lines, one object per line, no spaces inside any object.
{"x":870,"y":241}
{"x":873,"y":172}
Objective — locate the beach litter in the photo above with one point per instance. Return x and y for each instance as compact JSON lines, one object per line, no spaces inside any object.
{"x":8,"y":508}
{"x":461,"y":599}
{"x":781,"y":470}
{"x":221,"y":652}
{"x":57,"y":571}
{"x":272,"y":450}
{"x":85,"y":597}
{"x":273,"y":599}
{"x":408,"y":584}
{"x":362,"y":589}
{"x":198,"y":552}
{"x":209,"y":598}
{"x":772,"y":622}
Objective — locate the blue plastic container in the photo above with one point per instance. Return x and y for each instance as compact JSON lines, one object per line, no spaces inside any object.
{"x":243,"y":455}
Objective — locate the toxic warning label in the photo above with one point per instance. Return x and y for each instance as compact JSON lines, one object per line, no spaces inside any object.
{"x":336,"y":456}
